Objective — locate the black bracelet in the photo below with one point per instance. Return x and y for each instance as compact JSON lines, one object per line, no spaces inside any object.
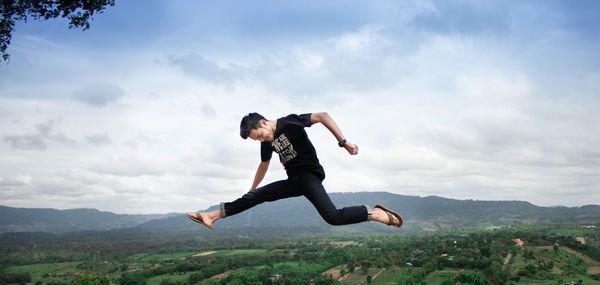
{"x":342,"y":143}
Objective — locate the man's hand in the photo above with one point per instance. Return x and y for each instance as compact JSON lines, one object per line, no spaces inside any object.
{"x":327,"y":121}
{"x":351,"y":148}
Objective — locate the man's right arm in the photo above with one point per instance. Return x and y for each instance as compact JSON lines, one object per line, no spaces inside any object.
{"x":260,"y":174}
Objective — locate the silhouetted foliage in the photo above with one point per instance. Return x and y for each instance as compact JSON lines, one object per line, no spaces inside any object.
{"x":79,"y":13}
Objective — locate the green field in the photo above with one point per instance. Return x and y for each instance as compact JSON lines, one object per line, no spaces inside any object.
{"x":148,"y":257}
{"x":359,"y":277}
{"x":440,"y":276}
{"x":301,"y":266}
{"x":543,"y":260}
{"x":565,"y":265}
{"x":239,"y":252}
{"x":48,"y":272}
{"x":156,"y":280}
{"x":389,"y":275}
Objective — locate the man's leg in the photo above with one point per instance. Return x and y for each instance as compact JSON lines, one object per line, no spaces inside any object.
{"x":312,"y":187}
{"x":271,"y":192}
{"x":268,"y":193}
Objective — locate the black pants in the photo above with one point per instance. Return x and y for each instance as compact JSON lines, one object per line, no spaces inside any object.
{"x":306,"y":184}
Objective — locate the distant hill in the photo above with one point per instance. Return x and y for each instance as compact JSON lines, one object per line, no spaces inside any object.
{"x":430,"y":213}
{"x":51,"y":220}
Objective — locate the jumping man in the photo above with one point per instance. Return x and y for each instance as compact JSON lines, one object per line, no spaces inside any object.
{"x":287,"y":137}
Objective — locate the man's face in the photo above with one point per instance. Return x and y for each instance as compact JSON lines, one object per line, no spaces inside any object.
{"x":262,"y":134}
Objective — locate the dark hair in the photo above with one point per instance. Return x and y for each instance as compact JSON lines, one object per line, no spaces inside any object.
{"x":250,"y":122}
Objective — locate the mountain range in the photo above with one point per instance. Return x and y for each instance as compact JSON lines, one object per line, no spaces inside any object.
{"x":52,"y":220}
{"x":431,"y":213}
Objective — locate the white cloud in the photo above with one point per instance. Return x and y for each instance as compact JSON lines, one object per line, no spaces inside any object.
{"x":99,"y":93}
{"x":357,"y":41}
{"x":473,"y":115}
{"x":98,"y":139}
{"x":43,"y":134}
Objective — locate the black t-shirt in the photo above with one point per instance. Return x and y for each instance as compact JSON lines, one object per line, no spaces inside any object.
{"x":290,"y":141}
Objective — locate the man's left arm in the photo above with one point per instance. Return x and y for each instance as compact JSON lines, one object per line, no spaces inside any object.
{"x":329,"y":123}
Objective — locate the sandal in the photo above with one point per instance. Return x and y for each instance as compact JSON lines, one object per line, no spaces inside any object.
{"x":394,"y":219}
{"x":198,"y":219}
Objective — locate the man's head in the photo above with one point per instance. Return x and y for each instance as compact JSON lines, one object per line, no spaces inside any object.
{"x":256,"y":127}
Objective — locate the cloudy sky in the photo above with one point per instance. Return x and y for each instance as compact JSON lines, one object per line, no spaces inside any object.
{"x":486,"y":100}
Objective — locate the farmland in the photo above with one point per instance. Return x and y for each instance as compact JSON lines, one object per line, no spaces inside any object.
{"x":475,"y":256}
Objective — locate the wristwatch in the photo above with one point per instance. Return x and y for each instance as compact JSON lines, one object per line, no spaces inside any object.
{"x":342,"y":143}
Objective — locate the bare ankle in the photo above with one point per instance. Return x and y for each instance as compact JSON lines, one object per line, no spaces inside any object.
{"x":377,"y":216}
{"x":214,"y":215}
